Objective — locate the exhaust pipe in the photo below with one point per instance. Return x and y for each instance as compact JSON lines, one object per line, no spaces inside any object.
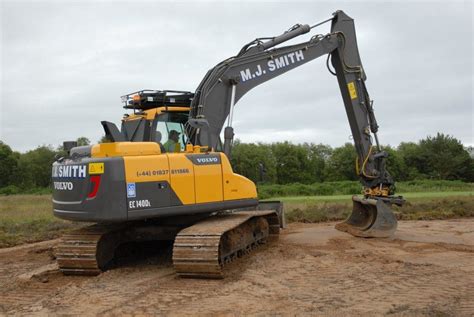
{"x":370,"y":218}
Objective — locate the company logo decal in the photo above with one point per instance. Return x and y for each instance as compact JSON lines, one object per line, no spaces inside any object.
{"x":207,"y":160}
{"x":131,"y":190}
{"x":272,"y":65}
{"x":69,"y":171}
{"x":63,"y":186}
{"x":204,"y":159}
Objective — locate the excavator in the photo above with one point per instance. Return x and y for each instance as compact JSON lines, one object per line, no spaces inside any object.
{"x":135,"y":189}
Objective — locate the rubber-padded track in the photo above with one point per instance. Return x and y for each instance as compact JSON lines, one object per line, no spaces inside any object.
{"x":196,"y":250}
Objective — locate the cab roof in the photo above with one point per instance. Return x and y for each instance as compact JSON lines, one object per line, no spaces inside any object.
{"x":148,"y":99}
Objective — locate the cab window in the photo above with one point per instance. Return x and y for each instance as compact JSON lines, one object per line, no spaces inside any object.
{"x":168,"y":121}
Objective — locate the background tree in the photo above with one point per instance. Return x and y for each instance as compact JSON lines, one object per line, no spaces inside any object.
{"x":35,"y":167}
{"x":81,"y":141}
{"x":395,"y":164}
{"x":318,"y":155}
{"x":8,"y":165}
{"x":409,"y":152}
{"x":341,"y":164}
{"x":444,"y":157}
{"x":246,"y":158}
{"x":292,"y":163}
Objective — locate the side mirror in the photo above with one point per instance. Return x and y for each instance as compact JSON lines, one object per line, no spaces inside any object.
{"x":228,"y":139}
{"x":68,"y":145}
{"x":198,"y":123}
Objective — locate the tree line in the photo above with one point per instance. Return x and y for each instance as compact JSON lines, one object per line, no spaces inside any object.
{"x":441,"y":157}
{"x":28,"y":172}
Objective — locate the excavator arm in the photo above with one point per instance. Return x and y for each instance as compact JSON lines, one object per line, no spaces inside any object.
{"x":260,"y":61}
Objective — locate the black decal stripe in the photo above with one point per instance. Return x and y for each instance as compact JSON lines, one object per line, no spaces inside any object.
{"x":158,"y":193}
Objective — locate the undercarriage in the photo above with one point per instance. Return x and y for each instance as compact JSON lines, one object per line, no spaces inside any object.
{"x":202,"y":245}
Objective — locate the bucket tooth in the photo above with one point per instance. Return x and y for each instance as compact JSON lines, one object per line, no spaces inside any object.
{"x":370,"y":218}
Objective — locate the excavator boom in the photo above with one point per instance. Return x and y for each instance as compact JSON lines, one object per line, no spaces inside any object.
{"x":260,"y":61}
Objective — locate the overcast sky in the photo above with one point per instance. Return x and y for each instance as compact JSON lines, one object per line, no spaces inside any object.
{"x":65,"y":66}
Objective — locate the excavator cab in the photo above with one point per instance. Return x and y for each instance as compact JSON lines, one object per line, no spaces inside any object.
{"x":155,"y":114}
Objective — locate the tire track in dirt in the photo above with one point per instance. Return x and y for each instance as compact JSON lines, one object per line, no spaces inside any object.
{"x":16,"y":290}
{"x":105,"y":292}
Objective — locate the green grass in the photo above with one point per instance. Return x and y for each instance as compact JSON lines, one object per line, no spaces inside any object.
{"x":419,"y":206}
{"x":29,"y":218}
{"x":342,"y":198}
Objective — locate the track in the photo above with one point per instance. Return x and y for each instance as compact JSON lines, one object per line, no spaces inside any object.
{"x":202,"y":249}
{"x":87,"y":251}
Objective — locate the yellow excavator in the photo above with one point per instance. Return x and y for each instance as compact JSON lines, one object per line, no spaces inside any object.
{"x":138,"y":188}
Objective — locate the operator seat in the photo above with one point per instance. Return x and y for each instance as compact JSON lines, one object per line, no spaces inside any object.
{"x":158,"y":140}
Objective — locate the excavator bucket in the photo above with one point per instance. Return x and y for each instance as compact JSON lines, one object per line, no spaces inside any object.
{"x":370,"y":218}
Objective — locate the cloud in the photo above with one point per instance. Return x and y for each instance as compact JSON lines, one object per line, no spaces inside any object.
{"x":64,"y":67}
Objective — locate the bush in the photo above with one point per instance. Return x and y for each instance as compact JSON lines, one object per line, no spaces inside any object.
{"x":354,"y":188}
{"x":38,"y":191}
{"x":14,"y":190}
{"x":433,"y":186}
{"x":10,"y":190}
{"x":316,"y":189}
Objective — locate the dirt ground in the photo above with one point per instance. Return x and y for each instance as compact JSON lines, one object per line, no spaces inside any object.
{"x":426,"y":269}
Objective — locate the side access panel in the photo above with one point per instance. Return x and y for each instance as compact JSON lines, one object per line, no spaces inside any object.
{"x":147,"y":182}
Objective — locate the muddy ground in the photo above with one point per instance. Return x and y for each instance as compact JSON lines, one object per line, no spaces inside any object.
{"x":426,"y":269}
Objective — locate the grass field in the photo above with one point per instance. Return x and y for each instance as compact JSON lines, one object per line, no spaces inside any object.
{"x":419,"y":206}
{"x":29,"y":218}
{"x":353,"y":187}
{"x":342,"y":198}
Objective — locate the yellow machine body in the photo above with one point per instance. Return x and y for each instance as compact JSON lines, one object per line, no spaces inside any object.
{"x":184,"y":179}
